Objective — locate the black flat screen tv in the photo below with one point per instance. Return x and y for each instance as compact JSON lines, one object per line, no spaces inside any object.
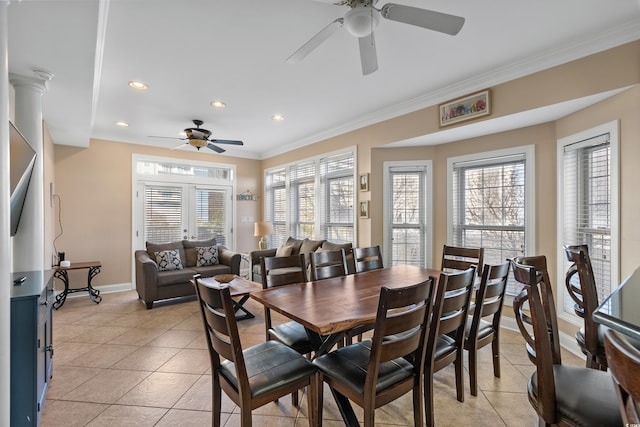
{"x":22,"y":158}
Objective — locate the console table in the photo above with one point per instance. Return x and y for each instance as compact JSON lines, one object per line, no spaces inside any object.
{"x":62,"y":274}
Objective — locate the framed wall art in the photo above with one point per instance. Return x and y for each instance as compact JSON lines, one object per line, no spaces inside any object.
{"x":466,"y":108}
{"x":364,"y":209}
{"x":364,"y":182}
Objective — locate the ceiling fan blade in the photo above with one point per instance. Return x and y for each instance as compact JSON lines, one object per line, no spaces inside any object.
{"x":166,"y":137}
{"x":315,"y":41}
{"x":227,"y":141}
{"x":429,"y":19}
{"x":368,"y":55}
{"x":215,"y":148}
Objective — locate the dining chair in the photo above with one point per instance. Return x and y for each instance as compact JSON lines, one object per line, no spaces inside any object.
{"x":460,"y":258}
{"x":624,"y":364}
{"x":375,"y":372}
{"x":279,"y":271}
{"x":369,"y":258}
{"x":590,"y":337}
{"x":479,"y":332}
{"x":328,"y":264}
{"x":445,"y":341}
{"x":560,"y":394}
{"x":539,"y":262}
{"x":254,"y":376}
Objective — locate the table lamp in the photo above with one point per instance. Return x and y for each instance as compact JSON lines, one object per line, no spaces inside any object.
{"x":263,"y":229}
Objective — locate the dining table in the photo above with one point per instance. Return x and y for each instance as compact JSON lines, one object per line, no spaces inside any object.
{"x":329,"y":308}
{"x":620,"y":310}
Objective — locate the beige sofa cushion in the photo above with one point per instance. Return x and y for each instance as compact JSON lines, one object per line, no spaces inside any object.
{"x":295,"y":243}
{"x":309,"y":246}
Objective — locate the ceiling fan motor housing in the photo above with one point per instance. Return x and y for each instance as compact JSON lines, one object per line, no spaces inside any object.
{"x":361,"y":20}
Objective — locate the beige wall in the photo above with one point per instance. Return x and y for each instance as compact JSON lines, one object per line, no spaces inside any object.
{"x":95,"y":183}
{"x":49,"y":211}
{"x":95,"y":187}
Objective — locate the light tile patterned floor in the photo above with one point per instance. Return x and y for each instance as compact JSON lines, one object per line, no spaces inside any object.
{"x":118,"y":364}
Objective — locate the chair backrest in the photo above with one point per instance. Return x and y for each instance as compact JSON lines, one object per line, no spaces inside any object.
{"x":523,"y":273}
{"x":278,"y":271}
{"x":327,"y":264}
{"x":490,"y":296}
{"x":575,"y":292}
{"x":540,"y":343}
{"x":369,"y":258}
{"x":400,"y":328}
{"x":450,"y":307}
{"x":624,"y":364}
{"x":221,"y":330}
{"x":587,"y":301}
{"x":458,"y":258}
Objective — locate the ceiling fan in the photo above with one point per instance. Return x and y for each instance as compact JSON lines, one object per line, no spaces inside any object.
{"x":199,"y":137}
{"x":362,"y":19}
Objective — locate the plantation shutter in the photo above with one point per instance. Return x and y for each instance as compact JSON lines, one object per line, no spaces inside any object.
{"x":211,"y":208}
{"x":302,"y":200}
{"x":275,"y":206}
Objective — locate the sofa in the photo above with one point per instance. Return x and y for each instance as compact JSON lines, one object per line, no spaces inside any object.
{"x":164,"y":270}
{"x":299,"y":246}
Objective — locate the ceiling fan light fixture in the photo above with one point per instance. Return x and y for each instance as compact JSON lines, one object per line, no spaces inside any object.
{"x":198,"y":143}
{"x":361,"y":20}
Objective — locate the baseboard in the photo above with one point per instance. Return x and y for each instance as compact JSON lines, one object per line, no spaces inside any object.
{"x":106,"y":289}
{"x":566,"y":341}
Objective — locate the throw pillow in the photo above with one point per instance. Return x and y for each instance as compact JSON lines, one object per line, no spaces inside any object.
{"x":284,"y":250}
{"x":169,"y":260}
{"x":207,"y":255}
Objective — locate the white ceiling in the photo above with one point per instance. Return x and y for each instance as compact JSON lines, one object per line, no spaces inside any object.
{"x":191,"y":52}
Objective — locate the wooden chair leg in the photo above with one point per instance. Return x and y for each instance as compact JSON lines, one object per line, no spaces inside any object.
{"x":216,"y":403}
{"x":417,"y":404}
{"x":428,"y":398}
{"x":473,"y":372}
{"x":459,"y":378}
{"x":245,"y":416}
{"x":294,"y":399}
{"x":319,"y":392}
{"x":495,"y":349}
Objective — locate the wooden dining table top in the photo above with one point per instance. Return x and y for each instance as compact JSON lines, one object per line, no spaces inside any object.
{"x":338,"y":304}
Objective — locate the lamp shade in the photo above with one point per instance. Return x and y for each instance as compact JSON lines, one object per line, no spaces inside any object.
{"x":262,"y":228}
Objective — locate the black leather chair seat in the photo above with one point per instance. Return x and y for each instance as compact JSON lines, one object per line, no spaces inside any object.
{"x":484,"y":329}
{"x":270,"y":365}
{"x":444,"y":345}
{"x":350,"y":365}
{"x":294,"y":335}
{"x":586,"y":396}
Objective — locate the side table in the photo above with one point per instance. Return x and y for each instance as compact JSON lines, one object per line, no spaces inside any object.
{"x":62,"y":274}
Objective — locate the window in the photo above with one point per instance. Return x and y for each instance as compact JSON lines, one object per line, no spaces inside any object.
{"x":490,"y":204}
{"x":407,"y":234}
{"x":588,"y":204}
{"x":312,"y":198}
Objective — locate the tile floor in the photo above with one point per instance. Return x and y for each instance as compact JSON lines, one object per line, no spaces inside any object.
{"x":118,"y":364}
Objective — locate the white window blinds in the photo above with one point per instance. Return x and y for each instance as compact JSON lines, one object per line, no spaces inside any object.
{"x":162,"y":214}
{"x":586,"y":208}
{"x":313,"y":198}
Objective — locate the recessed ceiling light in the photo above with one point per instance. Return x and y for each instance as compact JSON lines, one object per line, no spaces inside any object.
{"x":122,"y":124}
{"x":138,"y":85}
{"x":218,"y":104}
{"x":277,"y":117}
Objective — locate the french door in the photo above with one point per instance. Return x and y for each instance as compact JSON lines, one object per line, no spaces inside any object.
{"x":170,"y":212}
